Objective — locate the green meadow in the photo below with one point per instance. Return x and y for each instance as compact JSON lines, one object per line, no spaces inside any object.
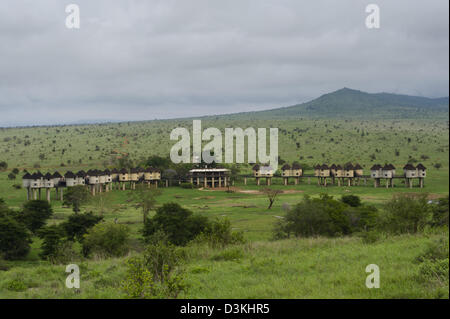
{"x":261,"y":268}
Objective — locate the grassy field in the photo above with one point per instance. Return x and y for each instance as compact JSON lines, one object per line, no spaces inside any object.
{"x":262,"y":268}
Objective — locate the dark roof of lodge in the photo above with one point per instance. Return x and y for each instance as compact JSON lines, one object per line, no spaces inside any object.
{"x":26,"y":176}
{"x":388,"y":167}
{"x":375,"y":167}
{"x":92,"y":172}
{"x":256,"y":167}
{"x":286,"y":166}
{"x":333,"y":166}
{"x":421,"y":167}
{"x":48,"y":176}
{"x":409,"y":167}
{"x":57,"y":175}
{"x":296,"y":166}
{"x":114,"y":171}
{"x":69,"y":174}
{"x":107,"y":172}
{"x":324,"y":166}
{"x":357,"y":166}
{"x":348,"y":167}
{"x":317,"y":166}
{"x":338,"y":167}
{"x":81,"y":174}
{"x":39,"y":174}
{"x":123,"y":171}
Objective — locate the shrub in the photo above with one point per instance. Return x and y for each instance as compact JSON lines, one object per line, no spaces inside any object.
{"x":186,"y":185}
{"x":155,"y":274}
{"x":434,"y":262}
{"x":106,"y":240}
{"x":440,"y":212}
{"x":435,"y":271}
{"x":180,"y":224}
{"x":219,"y":234}
{"x":78,"y":224}
{"x":232,"y":254}
{"x":351,"y":200}
{"x":370,"y":237}
{"x":436,"y":250}
{"x":14,"y":238}
{"x":406,"y":213}
{"x":35,"y":214}
{"x":16,"y":285}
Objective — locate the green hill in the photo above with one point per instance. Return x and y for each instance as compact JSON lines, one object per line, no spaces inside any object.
{"x":349,"y":103}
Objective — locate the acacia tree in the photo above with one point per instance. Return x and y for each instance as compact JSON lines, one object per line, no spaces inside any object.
{"x":144,"y":198}
{"x":271,"y":195}
{"x":76,"y":196}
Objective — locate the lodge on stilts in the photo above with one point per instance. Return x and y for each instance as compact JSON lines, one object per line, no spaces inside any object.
{"x":98,"y":181}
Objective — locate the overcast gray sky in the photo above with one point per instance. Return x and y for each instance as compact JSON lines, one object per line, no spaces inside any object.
{"x":139,"y":60}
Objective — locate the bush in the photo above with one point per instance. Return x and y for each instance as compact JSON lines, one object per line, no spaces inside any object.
{"x":406,"y":213}
{"x":155,"y":274}
{"x":219,"y":234}
{"x":351,"y":200}
{"x":16,"y":285}
{"x":434,"y":262}
{"x":232,"y":254}
{"x":186,"y":185}
{"x":435,"y":271}
{"x":35,"y":214}
{"x":14,"y":238}
{"x":78,"y":224}
{"x":370,"y":237}
{"x":436,"y":250}
{"x":440,"y":212}
{"x":106,"y":240}
{"x":325,"y":216}
{"x":180,"y":225}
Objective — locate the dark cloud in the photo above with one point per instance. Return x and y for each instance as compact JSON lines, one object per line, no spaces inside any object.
{"x":134,"y":60}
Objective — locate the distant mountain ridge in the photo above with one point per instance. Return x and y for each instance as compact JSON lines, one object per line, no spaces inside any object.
{"x":349,"y":103}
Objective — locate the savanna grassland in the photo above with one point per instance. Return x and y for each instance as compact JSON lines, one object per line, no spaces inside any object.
{"x":261,"y":268}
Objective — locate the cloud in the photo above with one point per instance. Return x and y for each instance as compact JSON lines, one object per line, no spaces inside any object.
{"x":134,"y":60}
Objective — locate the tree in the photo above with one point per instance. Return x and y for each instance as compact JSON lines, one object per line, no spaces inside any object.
{"x":145,"y":199}
{"x":271,"y":195}
{"x":179,"y":223}
{"x":15,"y":239}
{"x":158,"y":162}
{"x":35,"y":214}
{"x":78,"y":224}
{"x":103,"y":203}
{"x":76,"y":196}
{"x":52,"y":237}
{"x":3,"y":166}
